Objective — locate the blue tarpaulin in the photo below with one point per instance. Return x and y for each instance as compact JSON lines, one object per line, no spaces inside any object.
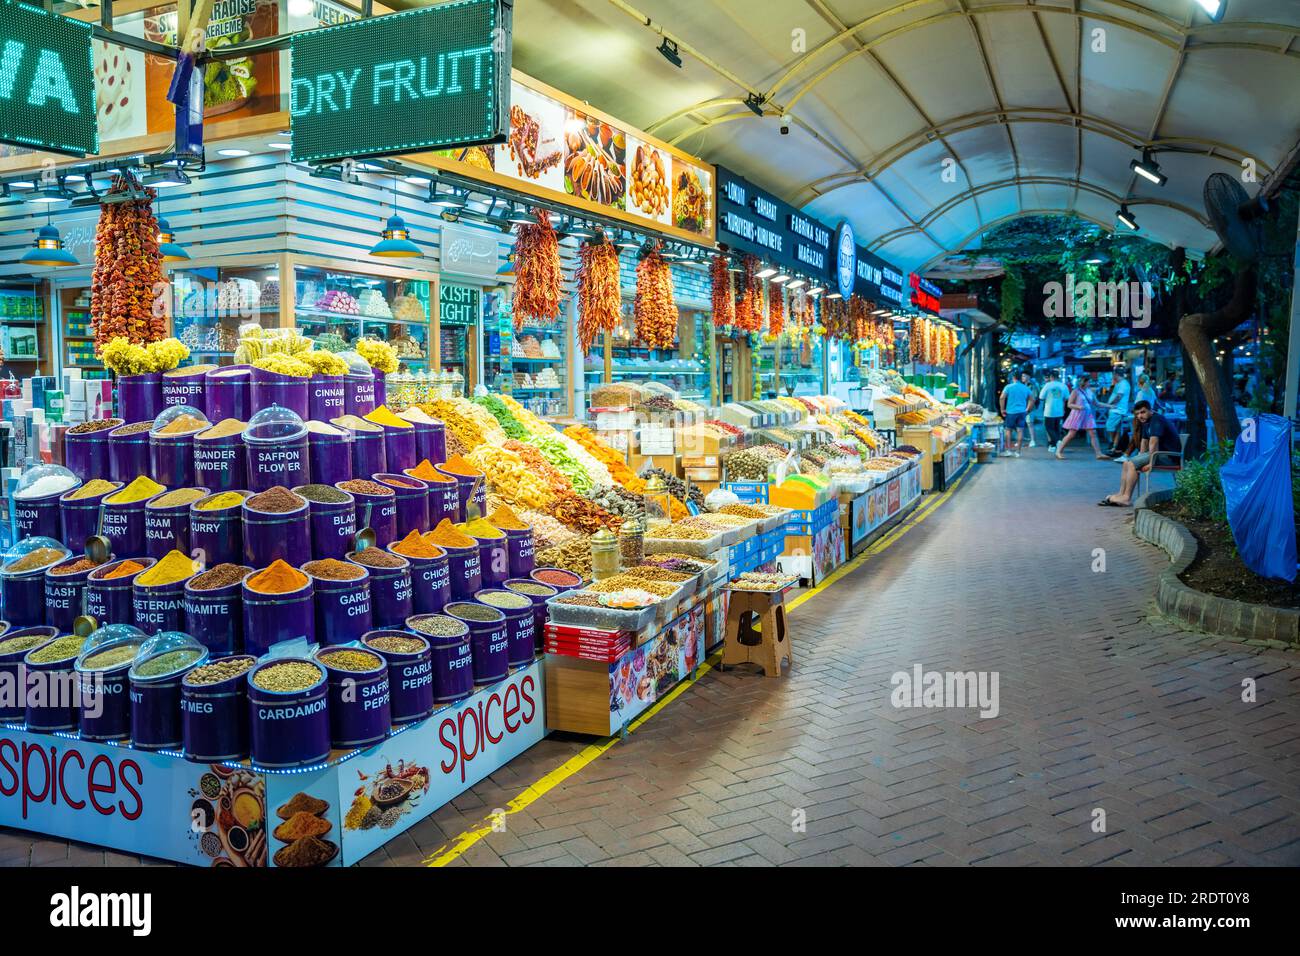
{"x":1257,"y":489}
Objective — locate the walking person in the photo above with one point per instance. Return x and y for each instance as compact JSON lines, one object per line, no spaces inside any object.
{"x":1117,"y":403}
{"x":1081,"y":417}
{"x":1016,"y":401}
{"x":1053,"y":396}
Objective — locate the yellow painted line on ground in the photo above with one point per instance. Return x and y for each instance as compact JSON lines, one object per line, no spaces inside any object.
{"x":548,"y":782}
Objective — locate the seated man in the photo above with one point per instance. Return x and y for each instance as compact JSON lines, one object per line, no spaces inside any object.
{"x":1155,"y":434}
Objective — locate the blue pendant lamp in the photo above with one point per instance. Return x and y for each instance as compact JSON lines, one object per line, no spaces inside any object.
{"x":172,"y":251}
{"x":48,"y":250}
{"x":396,"y":242}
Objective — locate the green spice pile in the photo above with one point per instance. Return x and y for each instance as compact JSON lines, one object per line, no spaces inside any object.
{"x":288,"y":676}
{"x":111,"y":657}
{"x":60,"y":649}
{"x":503,"y":599}
{"x":322,"y":494}
{"x":472,"y":612}
{"x":218,"y":671}
{"x":396,"y":645}
{"x":528,"y":587}
{"x":509,"y":424}
{"x":166,"y":663}
{"x":26,"y":642}
{"x":350,"y":660}
{"x":439,"y":625}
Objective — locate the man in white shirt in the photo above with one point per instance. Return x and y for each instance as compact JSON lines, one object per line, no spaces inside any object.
{"x":1118,"y":403}
{"x":1053,"y":395}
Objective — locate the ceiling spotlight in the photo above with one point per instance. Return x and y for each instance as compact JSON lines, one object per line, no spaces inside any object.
{"x":669,"y":50}
{"x":234,"y":153}
{"x":764,"y":273}
{"x":1148,"y":168}
{"x":794,"y":283}
{"x":578,"y":230}
{"x":280,"y":145}
{"x":881,"y":312}
{"x":734,"y":266}
{"x":1126,"y":217}
{"x":416,"y":180}
{"x":1214,"y":9}
{"x":817,"y":290}
{"x":22,"y":184}
{"x":520,"y":217}
{"x":447,"y":200}
{"x":165,"y":179}
{"x":834,"y":295}
{"x":782,"y":278}
{"x":755,"y":102}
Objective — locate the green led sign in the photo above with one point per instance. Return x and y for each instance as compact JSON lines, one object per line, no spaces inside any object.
{"x":47,"y":81}
{"x":431,"y":78}
{"x":457,"y":305}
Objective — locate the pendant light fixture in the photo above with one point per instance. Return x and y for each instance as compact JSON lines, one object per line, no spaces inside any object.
{"x":48,"y":250}
{"x":396,"y":238}
{"x":172,"y":251}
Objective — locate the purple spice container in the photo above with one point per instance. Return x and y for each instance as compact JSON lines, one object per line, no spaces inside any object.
{"x":220,"y":463}
{"x":575,"y":580}
{"x":288,"y":729}
{"x":124,"y":528}
{"x":430,"y":582}
{"x":330,"y":457}
{"x":228,"y":393}
{"x":444,"y":502}
{"x":381,"y":389}
{"x":280,"y":463}
{"x":86,"y":454}
{"x":489,"y":643}
{"x":65,"y":596}
{"x":214,"y":719}
{"x":412,"y":504}
{"x":79,"y":517}
{"x":369,"y":456}
{"x":39,"y":517}
{"x":272,"y":388}
{"x":521,"y":628}
{"x":399,"y":447}
{"x":539,"y":604}
{"x":272,"y":618}
{"x":270,"y":536}
{"x":410,"y":678}
{"x":466,"y":570}
{"x":24,"y":595}
{"x":390,"y":592}
{"x":159,"y":607}
{"x":188,"y":390}
{"x":358,"y":704}
{"x":107,"y":692}
{"x":465,"y":483}
{"x":109,"y":601}
{"x":128,"y":455}
{"x":50,"y":717}
{"x":453,"y":663}
{"x":519,"y":545}
{"x":156,"y":708}
{"x":325,"y":397}
{"x":171,"y":459}
{"x":430,"y":441}
{"x":10,"y":710}
{"x":359,"y":393}
{"x":166,"y":529}
{"x":333,"y":526}
{"x":379,"y":513}
{"x":139,"y":397}
{"x":215,"y":618}
{"x":494,"y":561}
{"x":217,"y":537}
{"x":343,"y":610}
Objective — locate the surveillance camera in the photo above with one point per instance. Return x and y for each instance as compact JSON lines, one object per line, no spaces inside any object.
{"x":785,"y":125}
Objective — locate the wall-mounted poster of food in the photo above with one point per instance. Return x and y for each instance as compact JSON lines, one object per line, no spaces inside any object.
{"x":650,"y":183}
{"x":595,"y":160}
{"x":535,"y":152}
{"x":692,"y":198}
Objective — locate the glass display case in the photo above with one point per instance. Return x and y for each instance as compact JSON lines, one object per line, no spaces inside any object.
{"x":683,"y":368}
{"x":531,"y":365}
{"x":24,"y":333}
{"x":462,"y":312}
{"x":210,"y":303}
{"x":344,"y":304}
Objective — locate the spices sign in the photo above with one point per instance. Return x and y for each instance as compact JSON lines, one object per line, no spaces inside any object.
{"x":427,"y":78}
{"x":47,"y":81}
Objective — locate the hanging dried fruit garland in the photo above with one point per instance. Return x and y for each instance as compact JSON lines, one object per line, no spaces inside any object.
{"x":539,"y":277}
{"x":749,"y":304}
{"x":654,"y":308}
{"x":128,"y":292}
{"x":724,"y":302}
{"x":775,"y":308}
{"x":599,"y":301}
{"x":802,"y":311}
{"x":858,"y":324}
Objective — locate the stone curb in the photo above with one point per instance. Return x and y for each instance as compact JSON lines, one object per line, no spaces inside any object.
{"x":1205,"y":612}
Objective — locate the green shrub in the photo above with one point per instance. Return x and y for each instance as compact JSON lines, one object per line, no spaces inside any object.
{"x":1197,"y":489}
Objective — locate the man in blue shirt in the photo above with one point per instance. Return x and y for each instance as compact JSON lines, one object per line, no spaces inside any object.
{"x":1156,"y":436}
{"x":1017,"y":400}
{"x":1054,"y":395}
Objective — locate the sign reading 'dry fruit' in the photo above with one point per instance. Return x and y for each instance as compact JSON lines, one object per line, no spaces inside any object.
{"x":424,"y":79}
{"x":47,"y":81}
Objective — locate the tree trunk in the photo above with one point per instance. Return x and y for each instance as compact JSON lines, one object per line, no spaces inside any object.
{"x":1198,"y":331}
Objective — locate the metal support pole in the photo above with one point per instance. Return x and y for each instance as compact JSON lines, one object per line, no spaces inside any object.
{"x":1293,"y":341}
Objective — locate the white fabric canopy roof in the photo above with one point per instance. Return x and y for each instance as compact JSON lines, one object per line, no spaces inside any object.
{"x":1029,"y":106}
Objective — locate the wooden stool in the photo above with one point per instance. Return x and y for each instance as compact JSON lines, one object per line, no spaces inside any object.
{"x":769,"y":643}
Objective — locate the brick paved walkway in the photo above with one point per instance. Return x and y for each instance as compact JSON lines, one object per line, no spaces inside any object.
{"x":1102,"y":706}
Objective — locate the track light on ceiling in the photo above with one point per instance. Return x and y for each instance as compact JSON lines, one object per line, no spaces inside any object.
{"x":781,"y":279}
{"x":834,"y":295}
{"x":669,"y":50}
{"x":1126,"y":217}
{"x":794,"y":283}
{"x":1148,"y":168}
{"x":764,"y":273}
{"x":755,"y":102}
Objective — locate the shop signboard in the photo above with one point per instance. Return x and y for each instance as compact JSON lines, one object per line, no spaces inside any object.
{"x":644,"y":675}
{"x":877,"y":280}
{"x":47,"y":86}
{"x":468,"y":252}
{"x":458,"y":304}
{"x":561,"y":149}
{"x":846,"y":259}
{"x":925,"y":294}
{"x":427,"y":78}
{"x":756,"y":222}
{"x":884,"y":501}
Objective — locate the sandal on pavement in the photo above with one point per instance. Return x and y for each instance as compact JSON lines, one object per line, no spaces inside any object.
{"x":1107,"y":503}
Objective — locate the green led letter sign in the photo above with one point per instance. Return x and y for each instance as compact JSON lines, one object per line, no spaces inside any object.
{"x":47,"y":81}
{"x":431,"y":78}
